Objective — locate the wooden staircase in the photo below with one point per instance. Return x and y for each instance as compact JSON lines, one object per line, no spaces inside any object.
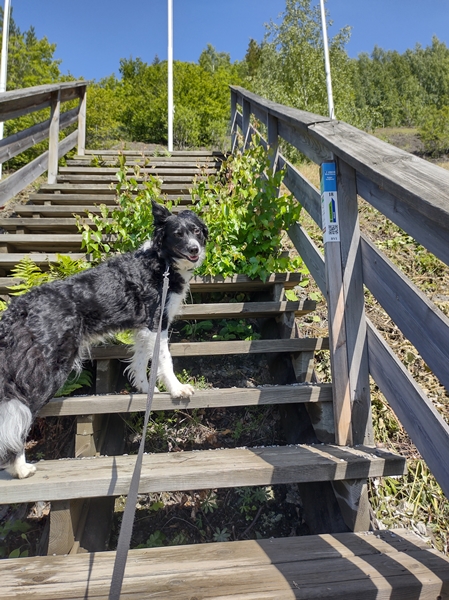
{"x":82,"y":489}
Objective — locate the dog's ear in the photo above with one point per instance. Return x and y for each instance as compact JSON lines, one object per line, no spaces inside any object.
{"x":160,"y":213}
{"x":205,"y":230}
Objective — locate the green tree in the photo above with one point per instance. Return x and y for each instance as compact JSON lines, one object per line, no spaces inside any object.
{"x":30,"y":60}
{"x":291,"y":66}
{"x":103,"y":111}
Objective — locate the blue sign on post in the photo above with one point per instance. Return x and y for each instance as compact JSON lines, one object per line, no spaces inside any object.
{"x":329,"y":202}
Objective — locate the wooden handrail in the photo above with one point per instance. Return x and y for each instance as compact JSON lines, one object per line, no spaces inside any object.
{"x":409,"y":191}
{"x":17,"y":103}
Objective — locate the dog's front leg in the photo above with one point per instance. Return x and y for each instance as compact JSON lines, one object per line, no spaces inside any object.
{"x":167,"y":375}
{"x":144,"y":340}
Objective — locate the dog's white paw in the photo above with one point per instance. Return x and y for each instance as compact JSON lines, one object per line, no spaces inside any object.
{"x":22,"y":470}
{"x":182,"y":391}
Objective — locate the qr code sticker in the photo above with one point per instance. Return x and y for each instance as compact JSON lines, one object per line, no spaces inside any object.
{"x":333,"y":229}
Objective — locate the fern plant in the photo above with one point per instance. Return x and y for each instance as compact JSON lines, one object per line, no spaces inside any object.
{"x":74,"y":382}
{"x":31,"y":275}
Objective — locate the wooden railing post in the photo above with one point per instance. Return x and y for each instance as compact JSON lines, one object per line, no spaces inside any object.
{"x":246,"y":114}
{"x":82,"y":122}
{"x":347,"y":332}
{"x":53,"y":155}
{"x":355,"y":322}
{"x":273,"y":140}
{"x":233,"y":120}
{"x":336,"y":305}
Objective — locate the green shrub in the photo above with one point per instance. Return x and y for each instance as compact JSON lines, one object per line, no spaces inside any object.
{"x":434,"y":131}
{"x":246,"y":216}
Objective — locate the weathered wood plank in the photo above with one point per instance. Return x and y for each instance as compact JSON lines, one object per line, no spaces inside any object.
{"x":209,"y":283}
{"x":163,"y":153}
{"x":83,"y":201}
{"x":245,"y":310}
{"x":431,"y":234}
{"x":168,"y":168}
{"x":19,"y":180}
{"x":40,"y":258}
{"x":110,"y":476}
{"x":306,"y":194}
{"x":93,"y":178}
{"x":211,"y":398}
{"x":21,"y":141}
{"x":427,"y":429}
{"x":413,"y":181}
{"x":16,"y":103}
{"x":44,"y":225}
{"x":341,"y":566}
{"x":310,"y":254}
{"x":220,"y":348}
{"x":81,"y":142}
{"x":43,"y":240}
{"x":362,"y":432}
{"x":102,"y":188}
{"x":417,"y":317}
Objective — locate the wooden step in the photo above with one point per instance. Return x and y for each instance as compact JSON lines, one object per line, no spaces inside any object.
{"x":94,"y":178}
{"x":245,"y":310}
{"x":348,"y":566}
{"x":175,"y":154}
{"x":221,"y":348}
{"x":83,"y":201}
{"x":210,"y":283}
{"x":41,"y":225}
{"x":21,"y":242}
{"x":9,"y":260}
{"x":104,"y":188}
{"x":62,"y":220}
{"x":68,"y":479}
{"x":166,"y":168}
{"x":211,"y":398}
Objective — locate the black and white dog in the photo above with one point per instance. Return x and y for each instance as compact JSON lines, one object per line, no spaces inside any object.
{"x":45,"y":333}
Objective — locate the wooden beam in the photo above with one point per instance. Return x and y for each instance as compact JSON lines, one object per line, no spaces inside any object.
{"x":179,"y":471}
{"x":82,"y":121}
{"x":417,"y":317}
{"x":326,"y":567}
{"x":221,"y":348}
{"x":210,"y":398}
{"x":427,"y":429}
{"x":21,"y":141}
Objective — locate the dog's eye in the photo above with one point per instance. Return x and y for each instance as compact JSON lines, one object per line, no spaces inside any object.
{"x":196,"y":231}
{"x":179,"y":233}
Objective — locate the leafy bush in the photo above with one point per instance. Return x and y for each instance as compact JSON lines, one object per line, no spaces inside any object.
{"x":128,"y":225}
{"x":246,"y":216}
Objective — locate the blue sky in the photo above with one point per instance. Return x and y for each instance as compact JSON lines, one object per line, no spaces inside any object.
{"x":92,"y":35}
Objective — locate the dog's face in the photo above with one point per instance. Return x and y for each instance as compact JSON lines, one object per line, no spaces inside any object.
{"x":181,"y":238}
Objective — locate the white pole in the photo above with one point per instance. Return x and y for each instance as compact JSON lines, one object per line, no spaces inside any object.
{"x":4,"y":58}
{"x":170,"y":75}
{"x":330,"y":99}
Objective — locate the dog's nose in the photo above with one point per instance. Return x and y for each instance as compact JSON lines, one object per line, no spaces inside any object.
{"x":193,"y":249}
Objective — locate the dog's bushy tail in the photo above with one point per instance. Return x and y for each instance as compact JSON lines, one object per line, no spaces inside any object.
{"x":15,"y":422}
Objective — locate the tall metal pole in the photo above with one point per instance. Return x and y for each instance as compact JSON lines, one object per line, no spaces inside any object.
{"x":170,"y":75}
{"x":4,"y":58}
{"x":330,"y":98}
